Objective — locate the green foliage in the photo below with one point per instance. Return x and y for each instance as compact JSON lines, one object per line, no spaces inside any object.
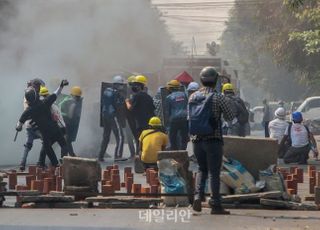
{"x":276,"y":44}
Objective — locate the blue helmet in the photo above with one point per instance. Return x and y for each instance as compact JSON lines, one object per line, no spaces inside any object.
{"x":297,"y":117}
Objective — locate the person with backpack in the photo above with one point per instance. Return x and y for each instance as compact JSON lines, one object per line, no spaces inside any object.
{"x":112,"y":103}
{"x":239,"y":110}
{"x":300,"y":140}
{"x":151,"y":141}
{"x":175,"y":109}
{"x":205,"y":108}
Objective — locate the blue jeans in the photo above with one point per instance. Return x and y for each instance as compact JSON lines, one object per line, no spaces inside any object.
{"x":31,"y":136}
{"x":209,"y":156}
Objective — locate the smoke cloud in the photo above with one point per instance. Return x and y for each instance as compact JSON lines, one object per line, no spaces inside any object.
{"x":84,"y":41}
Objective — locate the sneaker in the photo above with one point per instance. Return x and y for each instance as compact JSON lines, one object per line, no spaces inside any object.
{"x":22,"y":168}
{"x":197,"y":205}
{"x":219,"y":211}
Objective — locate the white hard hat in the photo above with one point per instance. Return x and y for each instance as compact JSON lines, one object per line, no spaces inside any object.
{"x":193,"y":86}
{"x":280,"y":113}
{"x":118,"y":79}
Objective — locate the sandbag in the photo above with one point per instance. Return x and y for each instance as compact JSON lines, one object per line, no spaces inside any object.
{"x":273,"y":181}
{"x":237,"y":177}
{"x":172,"y":183}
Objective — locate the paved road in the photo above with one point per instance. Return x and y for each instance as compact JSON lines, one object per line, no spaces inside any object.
{"x":16,"y":219}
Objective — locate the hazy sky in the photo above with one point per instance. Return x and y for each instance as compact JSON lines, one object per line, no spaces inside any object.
{"x":201,"y":19}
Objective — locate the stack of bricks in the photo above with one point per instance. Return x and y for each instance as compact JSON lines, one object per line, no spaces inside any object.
{"x":292,"y":178}
{"x":153,"y":180}
{"x":2,"y":189}
{"x":314,"y":183}
{"x":110,"y":180}
{"x":37,"y":179}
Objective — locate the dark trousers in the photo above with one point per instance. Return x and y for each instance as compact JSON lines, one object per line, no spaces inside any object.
{"x":70,"y":147}
{"x":209,"y":156}
{"x":266,"y":129}
{"x":112,"y":124}
{"x":46,"y":150}
{"x":178,"y":135}
{"x":297,"y":155}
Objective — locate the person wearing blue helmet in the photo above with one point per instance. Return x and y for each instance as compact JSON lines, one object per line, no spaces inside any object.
{"x":299,"y":139}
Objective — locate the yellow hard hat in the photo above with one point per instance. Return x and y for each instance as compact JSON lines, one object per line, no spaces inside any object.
{"x":131,"y":78}
{"x":76,"y":91}
{"x":140,"y":79}
{"x":155,"y":121}
{"x":227,"y":86}
{"x":173,"y":84}
{"x":44,"y":91}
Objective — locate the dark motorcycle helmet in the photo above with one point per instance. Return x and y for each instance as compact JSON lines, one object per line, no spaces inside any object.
{"x":209,"y":76}
{"x":31,"y":95}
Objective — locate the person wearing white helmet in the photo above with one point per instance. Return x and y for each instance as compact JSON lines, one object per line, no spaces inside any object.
{"x":192,"y":87}
{"x":278,"y":126}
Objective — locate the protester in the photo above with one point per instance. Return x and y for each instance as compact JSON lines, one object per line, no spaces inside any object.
{"x":278,"y":126}
{"x":32,"y":133}
{"x":140,"y":104}
{"x":266,"y":117}
{"x":112,"y":102}
{"x":301,"y":140}
{"x":39,"y":111}
{"x":151,"y":141}
{"x":239,"y":110}
{"x":71,"y":107}
{"x":175,"y":110}
{"x":206,"y":136}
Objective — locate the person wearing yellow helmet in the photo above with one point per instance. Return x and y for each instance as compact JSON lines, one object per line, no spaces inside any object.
{"x":140,"y":106}
{"x":39,"y":111}
{"x":175,"y":110}
{"x":151,"y":141}
{"x":71,"y":108}
{"x":240,"y":111}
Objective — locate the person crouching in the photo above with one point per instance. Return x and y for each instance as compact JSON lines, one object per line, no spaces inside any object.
{"x":151,"y":141}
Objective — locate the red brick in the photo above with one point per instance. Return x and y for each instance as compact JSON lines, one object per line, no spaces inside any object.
{"x":311,"y":168}
{"x":59,"y":183}
{"x":312,"y":184}
{"x":47,"y":185}
{"x":116,"y":182}
{"x":154,"y":189}
{"x":317,"y":195}
{"x":318,"y":179}
{"x":37,"y":185}
{"x":107,"y":190}
{"x":32,"y":169}
{"x":129,"y":184}
{"x":21,"y":187}
{"x":12,"y":180}
{"x":123,"y":184}
{"x":299,"y":173}
{"x":293,"y":169}
{"x":136,"y":189}
{"x":106,"y":175}
{"x":115,"y":166}
{"x":29,"y":178}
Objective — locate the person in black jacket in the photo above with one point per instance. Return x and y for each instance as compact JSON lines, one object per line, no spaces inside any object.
{"x":39,"y":111}
{"x":141,"y":107}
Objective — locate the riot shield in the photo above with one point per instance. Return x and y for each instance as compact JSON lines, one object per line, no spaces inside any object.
{"x":164,"y":93}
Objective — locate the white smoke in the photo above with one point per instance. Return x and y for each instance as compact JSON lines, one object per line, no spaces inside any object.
{"x":85,"y":41}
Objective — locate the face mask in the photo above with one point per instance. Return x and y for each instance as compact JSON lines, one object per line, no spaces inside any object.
{"x":135,"y":89}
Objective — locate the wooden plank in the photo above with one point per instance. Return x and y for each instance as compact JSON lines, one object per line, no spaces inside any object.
{"x":20,"y":193}
{"x":237,"y":206}
{"x":128,"y":199}
{"x":46,"y":199}
{"x":252,"y":197}
{"x":62,"y":205}
{"x":124,"y":205}
{"x":288,"y":205}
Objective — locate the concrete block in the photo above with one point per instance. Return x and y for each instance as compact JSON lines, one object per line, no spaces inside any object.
{"x":81,"y":172}
{"x":254,"y":153}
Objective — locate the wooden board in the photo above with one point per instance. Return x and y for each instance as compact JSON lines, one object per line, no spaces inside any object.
{"x":46,"y":199}
{"x":252,"y":197}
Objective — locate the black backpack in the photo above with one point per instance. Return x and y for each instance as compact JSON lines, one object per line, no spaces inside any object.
{"x":242,"y":112}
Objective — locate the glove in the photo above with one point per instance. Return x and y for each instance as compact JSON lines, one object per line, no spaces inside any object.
{"x":64,"y":83}
{"x":19,"y":127}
